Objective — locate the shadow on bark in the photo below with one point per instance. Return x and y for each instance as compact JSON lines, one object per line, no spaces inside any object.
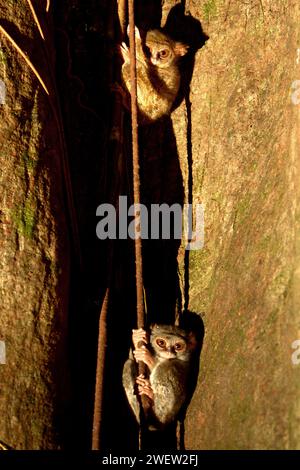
{"x":85,"y":73}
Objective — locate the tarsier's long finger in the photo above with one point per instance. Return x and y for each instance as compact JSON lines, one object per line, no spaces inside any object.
{"x":140,"y":343}
{"x":140,"y":379}
{"x":139,"y":336}
{"x":143,"y":382}
{"x":144,"y":389}
{"x":124,"y":51}
{"x":125,"y":54}
{"x":136,"y":30}
{"x":140,"y":331}
{"x":137,"y":357}
{"x":141,"y":353}
{"x":137,"y":33}
{"x":140,"y":359}
{"x":144,"y":355}
{"x":142,"y":348}
{"x":147,"y":392}
{"x":146,"y":386}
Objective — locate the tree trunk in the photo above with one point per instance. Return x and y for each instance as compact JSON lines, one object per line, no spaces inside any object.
{"x":245,"y":168}
{"x":34,"y":236}
{"x":233,"y":140}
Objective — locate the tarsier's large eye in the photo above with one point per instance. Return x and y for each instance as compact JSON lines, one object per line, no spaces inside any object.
{"x":161,"y":342}
{"x":164,"y":53}
{"x":179,"y":346}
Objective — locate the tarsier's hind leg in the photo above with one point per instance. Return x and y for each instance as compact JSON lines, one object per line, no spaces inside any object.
{"x":129,"y":384}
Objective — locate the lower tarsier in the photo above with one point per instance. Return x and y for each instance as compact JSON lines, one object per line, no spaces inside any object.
{"x":169,"y":353}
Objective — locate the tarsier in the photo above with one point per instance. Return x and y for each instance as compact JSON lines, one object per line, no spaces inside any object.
{"x":158,"y":76}
{"x":168,"y":351}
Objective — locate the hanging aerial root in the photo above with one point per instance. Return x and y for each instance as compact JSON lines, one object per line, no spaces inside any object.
{"x":145,"y":403}
{"x":97,"y":431}
{"x":101,"y":353}
{"x":28,"y":62}
{"x":36,"y":18}
{"x":136,"y":169}
{"x":122,"y":16}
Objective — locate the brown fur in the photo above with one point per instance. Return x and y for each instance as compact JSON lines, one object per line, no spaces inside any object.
{"x":169,"y":378}
{"x":158,"y":76}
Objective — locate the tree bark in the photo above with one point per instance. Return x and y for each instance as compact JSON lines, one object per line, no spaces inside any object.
{"x":34,"y":236}
{"x":245,"y":167}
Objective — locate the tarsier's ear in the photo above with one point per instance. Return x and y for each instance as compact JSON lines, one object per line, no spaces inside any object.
{"x":181,"y":49}
{"x":192,"y":340}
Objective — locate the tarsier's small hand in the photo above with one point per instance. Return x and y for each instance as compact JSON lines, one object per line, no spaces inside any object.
{"x":139,"y":336}
{"x":140,"y":339}
{"x":136,"y":30}
{"x":144,"y":355}
{"x":144,"y":387}
{"x":125,"y":52}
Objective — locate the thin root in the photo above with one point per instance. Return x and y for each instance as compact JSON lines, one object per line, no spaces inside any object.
{"x":36,"y":18}
{"x":25,"y":58}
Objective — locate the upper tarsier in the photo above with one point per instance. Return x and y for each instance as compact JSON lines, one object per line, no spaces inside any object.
{"x":158,"y":76}
{"x":169,"y":354}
